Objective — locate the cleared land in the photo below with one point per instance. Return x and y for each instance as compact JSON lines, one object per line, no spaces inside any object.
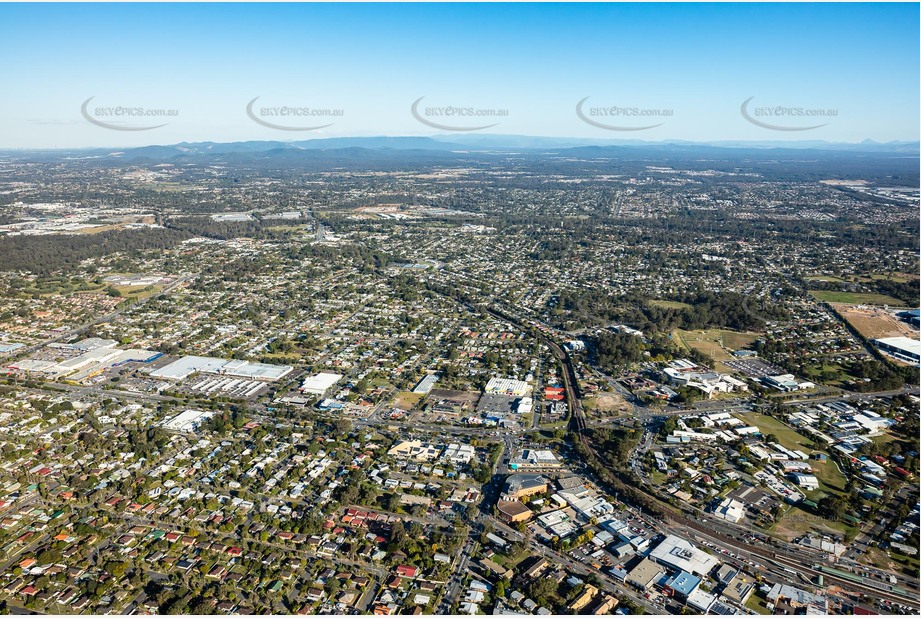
{"x":796,"y":522}
{"x":454,"y":397}
{"x":100,"y":228}
{"x":407,"y":401}
{"x":605,"y":403}
{"x":873,"y":323}
{"x":855,"y":298}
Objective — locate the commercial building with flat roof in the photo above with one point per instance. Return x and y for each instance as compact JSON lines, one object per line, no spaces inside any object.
{"x":320,"y":383}
{"x":513,"y":388}
{"x":188,"y":421}
{"x":701,"y":600}
{"x":730,"y":510}
{"x":680,"y":554}
{"x":644,"y":574}
{"x":187,"y":365}
{"x":426,"y":384}
{"x":786,"y":383}
{"x":683,"y":584}
{"x":901,"y":348}
{"x":806,"y":481}
{"x":534,"y":458}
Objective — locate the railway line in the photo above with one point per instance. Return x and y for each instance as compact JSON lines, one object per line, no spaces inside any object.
{"x":809,"y":567}
{"x":805,"y":563}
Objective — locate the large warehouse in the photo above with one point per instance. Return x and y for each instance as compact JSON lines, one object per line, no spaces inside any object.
{"x":901,"y":348}
{"x":187,"y":365}
{"x":320,"y":383}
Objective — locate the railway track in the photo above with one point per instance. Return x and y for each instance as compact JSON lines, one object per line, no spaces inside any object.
{"x":577,"y":426}
{"x":877,"y":590}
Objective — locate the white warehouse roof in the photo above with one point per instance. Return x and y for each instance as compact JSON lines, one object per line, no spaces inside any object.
{"x":320,"y":383}
{"x":681,"y":554}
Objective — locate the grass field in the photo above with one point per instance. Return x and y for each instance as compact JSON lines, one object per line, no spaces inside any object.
{"x":907,"y":564}
{"x":866,"y":278}
{"x":829,"y":373}
{"x":407,"y":400}
{"x":855,"y":298}
{"x":829,"y":278}
{"x":895,"y":277}
{"x":285,"y":357}
{"x":287,"y":228}
{"x":714,"y":342}
{"x":138,"y":291}
{"x":830,"y":478}
{"x":786,"y":435}
{"x":796,"y":522}
{"x":669,"y":304}
{"x":53,"y":288}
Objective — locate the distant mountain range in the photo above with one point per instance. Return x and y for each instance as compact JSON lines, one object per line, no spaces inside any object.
{"x":355,"y":147}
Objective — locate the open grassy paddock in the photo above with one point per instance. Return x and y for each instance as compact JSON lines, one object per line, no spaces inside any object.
{"x":714,"y":342}
{"x":669,"y":304}
{"x":855,"y":298}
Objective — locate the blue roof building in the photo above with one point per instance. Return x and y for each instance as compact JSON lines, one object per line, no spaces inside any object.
{"x":683,"y":584}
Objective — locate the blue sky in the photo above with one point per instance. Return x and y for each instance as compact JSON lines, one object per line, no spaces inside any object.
{"x":697,"y":63}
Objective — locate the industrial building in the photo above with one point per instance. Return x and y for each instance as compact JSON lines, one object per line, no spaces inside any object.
{"x":188,"y":421}
{"x":188,"y":365}
{"x":806,"y":481}
{"x":680,"y":554}
{"x":786,"y":383}
{"x":426,"y":384}
{"x":320,"y":383}
{"x":730,"y":510}
{"x":512,"y":388}
{"x":90,"y":358}
{"x":900,"y":348}
{"x":644,"y":574}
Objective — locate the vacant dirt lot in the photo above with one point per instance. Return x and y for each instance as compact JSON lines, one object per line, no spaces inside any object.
{"x":606,"y":403}
{"x":874,"y":323}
